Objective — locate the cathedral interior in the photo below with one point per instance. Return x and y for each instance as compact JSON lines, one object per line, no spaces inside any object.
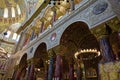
{"x":60,"y":40}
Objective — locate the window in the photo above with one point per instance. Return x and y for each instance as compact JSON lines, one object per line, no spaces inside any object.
{"x":13,"y":11}
{"x":18,"y":10}
{"x":14,"y":36}
{"x":8,"y":34}
{"x":18,"y":37}
{"x":5,"y":13}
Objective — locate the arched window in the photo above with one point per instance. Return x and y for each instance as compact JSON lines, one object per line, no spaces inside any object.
{"x":8,"y":34}
{"x":18,"y":9}
{"x":18,"y":37}
{"x":5,"y":13}
{"x":13,"y":11}
{"x":14,"y":36}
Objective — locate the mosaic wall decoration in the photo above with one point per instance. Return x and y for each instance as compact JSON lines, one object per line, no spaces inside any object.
{"x":109,"y":71}
{"x":99,"y":8}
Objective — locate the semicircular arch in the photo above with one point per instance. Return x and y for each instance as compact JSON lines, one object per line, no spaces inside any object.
{"x":40,"y":55}
{"x":78,"y":36}
{"x":23,"y":60}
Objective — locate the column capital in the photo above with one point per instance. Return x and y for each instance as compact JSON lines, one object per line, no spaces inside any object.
{"x":31,"y":61}
{"x":60,"y":49}
{"x":51,"y":53}
{"x":54,"y":8}
{"x":33,"y":27}
{"x":43,"y":19}
{"x":103,"y":36}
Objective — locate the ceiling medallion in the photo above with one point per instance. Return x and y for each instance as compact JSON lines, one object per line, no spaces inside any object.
{"x":53,"y":37}
{"x":99,"y":8}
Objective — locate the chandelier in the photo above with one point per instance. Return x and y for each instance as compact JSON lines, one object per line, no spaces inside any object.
{"x":54,"y":2}
{"x":87,"y":54}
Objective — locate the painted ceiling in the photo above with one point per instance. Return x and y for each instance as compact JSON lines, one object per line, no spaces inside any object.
{"x":13,"y":13}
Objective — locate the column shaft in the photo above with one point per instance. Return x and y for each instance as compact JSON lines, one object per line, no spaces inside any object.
{"x":106,"y":49}
{"x":18,"y":74}
{"x":46,"y":72}
{"x":58,"y":68}
{"x":72,"y":5}
{"x":31,"y":74}
{"x":42,"y":27}
{"x":71,"y":72}
{"x":51,"y":68}
{"x":28,"y":71}
{"x":79,"y":73}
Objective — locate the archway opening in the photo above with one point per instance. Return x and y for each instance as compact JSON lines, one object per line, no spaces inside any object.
{"x":76,"y":37}
{"x":22,"y":67}
{"x":40,"y":61}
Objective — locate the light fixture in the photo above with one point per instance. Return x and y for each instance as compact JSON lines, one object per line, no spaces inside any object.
{"x":37,"y":69}
{"x":87,"y":54}
{"x":47,"y":61}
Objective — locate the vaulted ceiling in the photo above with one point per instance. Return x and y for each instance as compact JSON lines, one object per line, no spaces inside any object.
{"x":11,"y":12}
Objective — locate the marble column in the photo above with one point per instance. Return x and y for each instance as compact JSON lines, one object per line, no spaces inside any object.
{"x":51,"y":68}
{"x":54,"y":15}
{"x":14,"y":75}
{"x":42,"y":27}
{"x":18,"y":74}
{"x":72,"y":5}
{"x":71,"y":69}
{"x":28,"y":71}
{"x":115,"y":45}
{"x":58,"y":68}
{"x":46,"y":71}
{"x":79,"y":72}
{"x":32,"y":72}
{"x":106,"y":50}
{"x":71,"y":72}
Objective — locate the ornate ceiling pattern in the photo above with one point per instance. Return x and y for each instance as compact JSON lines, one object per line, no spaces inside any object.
{"x":12,"y":15}
{"x":11,"y":11}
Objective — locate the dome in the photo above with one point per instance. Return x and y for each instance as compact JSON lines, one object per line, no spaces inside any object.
{"x":11,"y":11}
{"x":12,"y":16}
